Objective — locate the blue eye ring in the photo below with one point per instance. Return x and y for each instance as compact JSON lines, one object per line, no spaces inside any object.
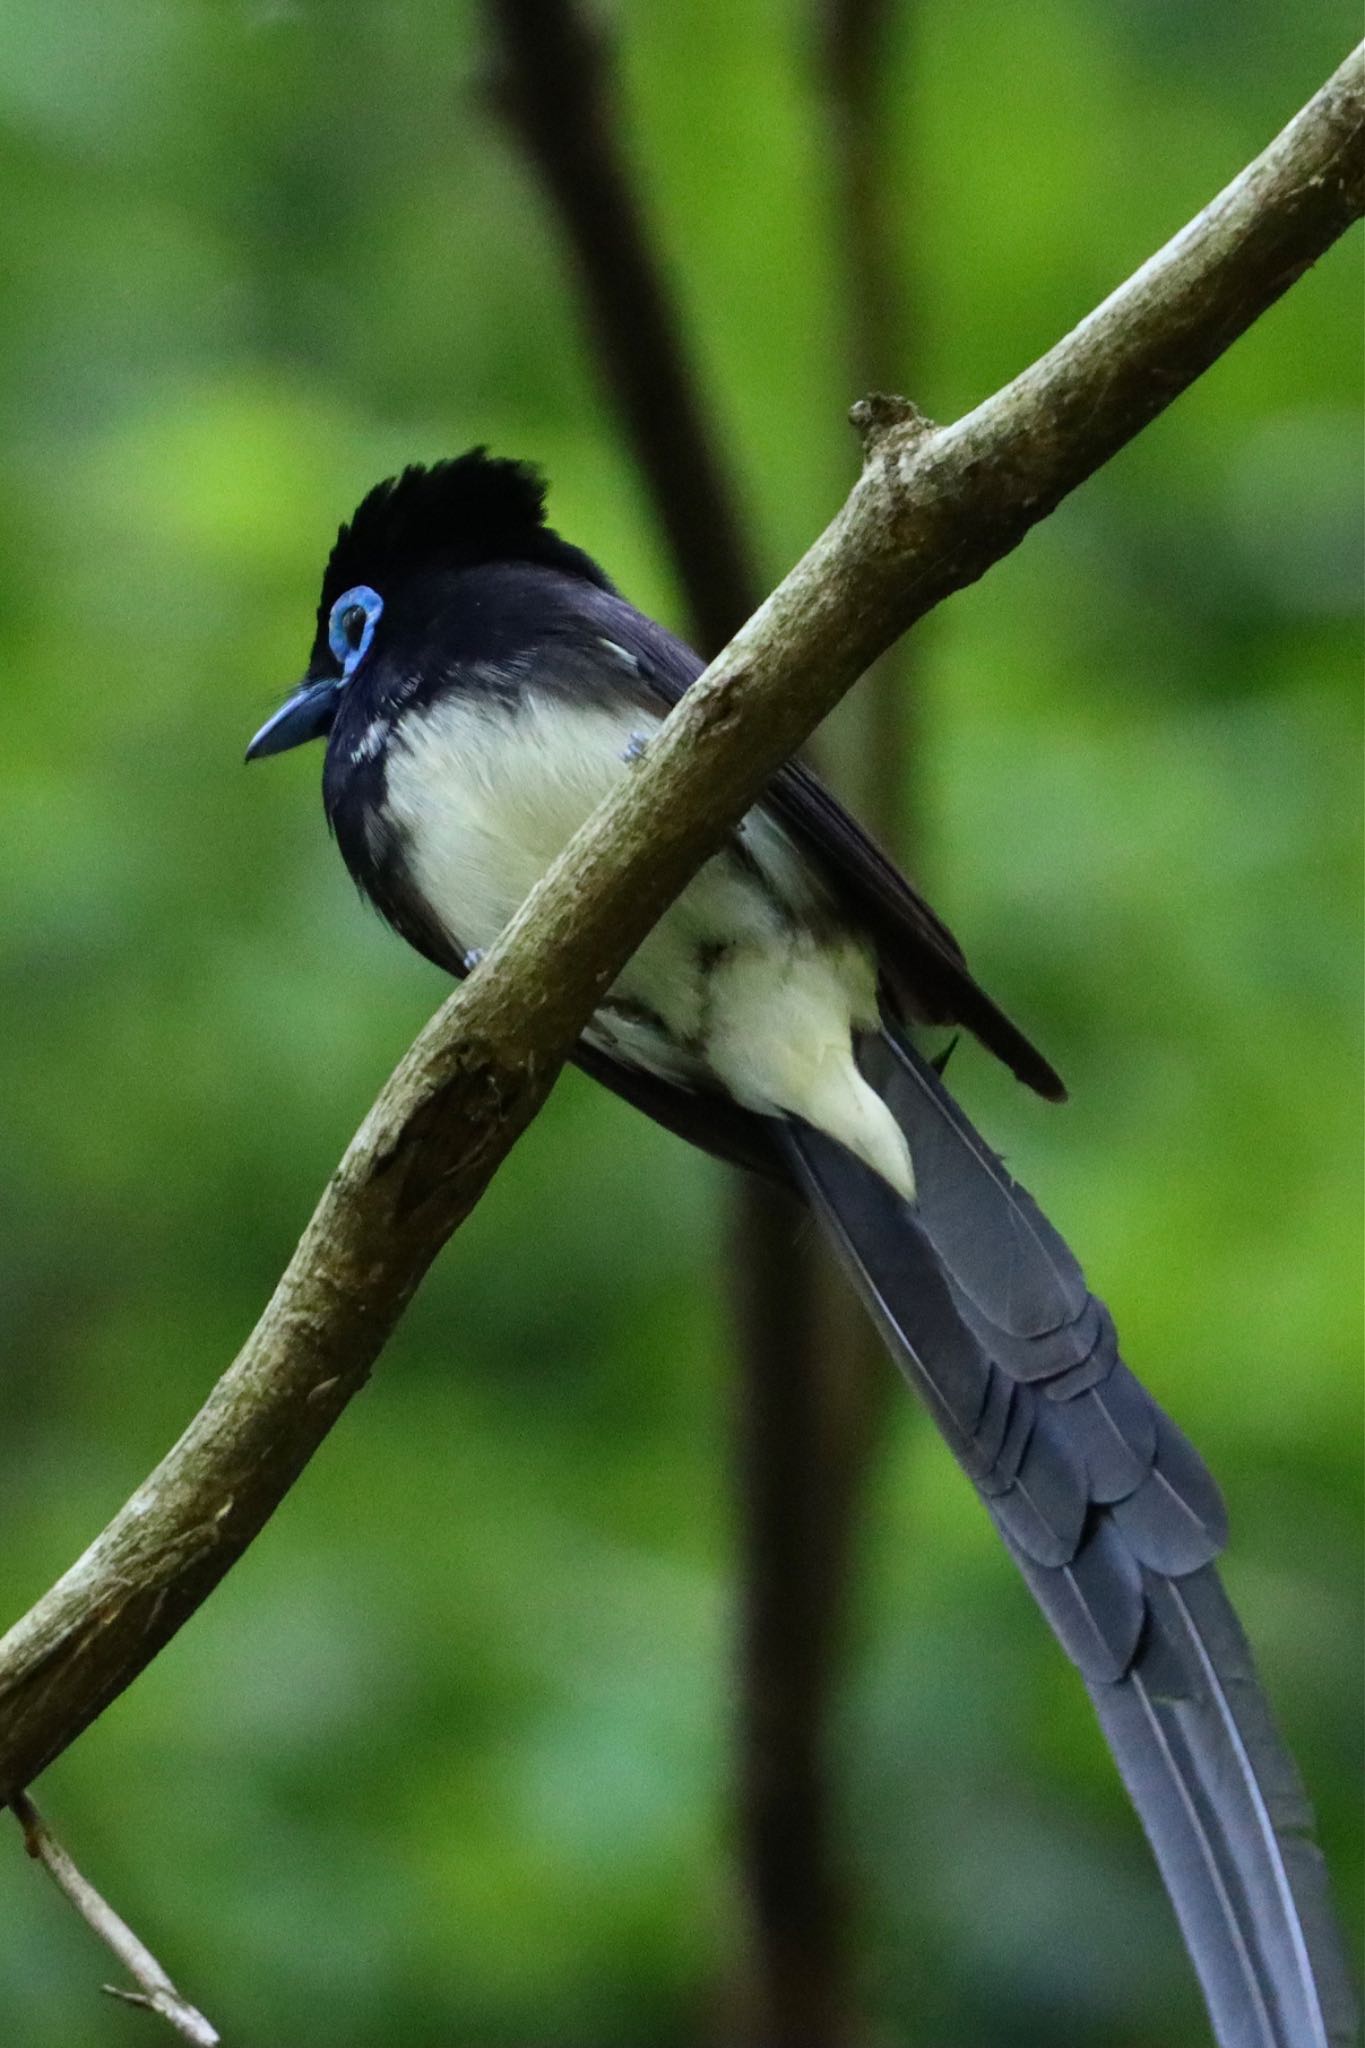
{"x":351,"y":624}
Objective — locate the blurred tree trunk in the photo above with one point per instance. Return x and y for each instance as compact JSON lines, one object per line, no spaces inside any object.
{"x":870,"y":743}
{"x":800,"y":1343}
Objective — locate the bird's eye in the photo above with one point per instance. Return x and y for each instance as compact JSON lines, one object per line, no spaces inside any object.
{"x":351,"y":624}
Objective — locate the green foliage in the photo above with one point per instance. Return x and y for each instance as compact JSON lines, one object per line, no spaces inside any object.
{"x":445,"y":1760}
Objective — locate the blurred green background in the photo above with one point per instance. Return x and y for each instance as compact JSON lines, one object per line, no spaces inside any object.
{"x":445,"y":1761}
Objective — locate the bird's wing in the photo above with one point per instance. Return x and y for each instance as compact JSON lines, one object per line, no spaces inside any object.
{"x":924,"y":974}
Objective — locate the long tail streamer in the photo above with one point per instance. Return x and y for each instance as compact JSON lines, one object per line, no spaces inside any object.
{"x":1115,"y":1522}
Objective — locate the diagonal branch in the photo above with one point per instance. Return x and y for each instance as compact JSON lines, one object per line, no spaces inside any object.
{"x":933,"y":508}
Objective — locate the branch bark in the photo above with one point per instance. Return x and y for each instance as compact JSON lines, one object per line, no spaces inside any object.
{"x":932,"y":509}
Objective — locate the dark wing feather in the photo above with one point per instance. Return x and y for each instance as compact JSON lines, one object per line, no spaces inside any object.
{"x":922,"y":965}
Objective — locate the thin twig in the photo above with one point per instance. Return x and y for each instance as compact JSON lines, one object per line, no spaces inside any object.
{"x":932,"y":510}
{"x":156,"y":1991}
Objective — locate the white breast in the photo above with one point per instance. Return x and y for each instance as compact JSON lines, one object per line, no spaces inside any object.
{"x":748,"y":994}
{"x":486,"y":797}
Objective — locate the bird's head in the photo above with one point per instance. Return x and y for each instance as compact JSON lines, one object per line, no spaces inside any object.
{"x":389,"y":577}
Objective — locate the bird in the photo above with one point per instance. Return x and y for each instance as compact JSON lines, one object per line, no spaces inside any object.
{"x":481,"y":687}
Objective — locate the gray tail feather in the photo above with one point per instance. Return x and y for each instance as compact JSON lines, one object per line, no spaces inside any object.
{"x":1114,"y":1522}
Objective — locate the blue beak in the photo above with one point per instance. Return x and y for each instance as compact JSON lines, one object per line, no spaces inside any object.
{"x":307,"y":715}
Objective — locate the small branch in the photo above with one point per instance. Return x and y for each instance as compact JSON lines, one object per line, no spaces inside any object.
{"x":156,"y":1991}
{"x":930,"y":513}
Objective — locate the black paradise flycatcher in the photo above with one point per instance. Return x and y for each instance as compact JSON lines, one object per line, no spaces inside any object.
{"x":481,"y":686}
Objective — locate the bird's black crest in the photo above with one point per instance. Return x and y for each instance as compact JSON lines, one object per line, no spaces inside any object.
{"x":474,"y":508}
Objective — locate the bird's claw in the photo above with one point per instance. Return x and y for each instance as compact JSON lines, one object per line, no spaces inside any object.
{"x":635,"y":746}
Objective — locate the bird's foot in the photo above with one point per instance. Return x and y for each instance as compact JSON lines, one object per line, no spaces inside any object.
{"x":635,"y":746}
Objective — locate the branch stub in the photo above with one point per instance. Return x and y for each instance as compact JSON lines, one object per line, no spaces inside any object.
{"x":882,"y":413}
